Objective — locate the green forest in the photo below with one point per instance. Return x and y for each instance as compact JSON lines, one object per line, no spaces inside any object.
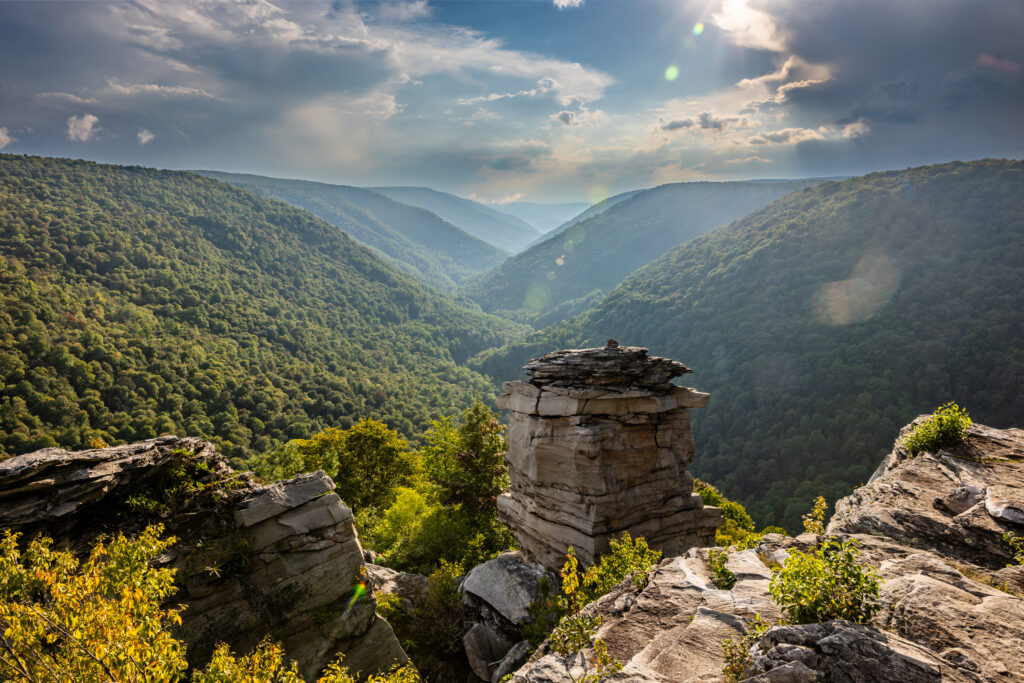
{"x":138,"y":302}
{"x":824,"y":322}
{"x":571,"y":271}
{"x":414,"y":239}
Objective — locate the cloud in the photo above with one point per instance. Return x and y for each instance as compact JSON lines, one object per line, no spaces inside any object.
{"x":544,"y":86}
{"x":82,"y":128}
{"x":6,"y":138}
{"x":678,"y":124}
{"x":564,"y":4}
{"x":747,"y":26}
{"x":566,"y":117}
{"x":145,"y":136}
{"x":400,"y":11}
{"x":117,"y":88}
{"x":855,"y":130}
{"x":748,"y":160}
{"x":785,"y":136}
{"x":67,"y":97}
{"x":709,"y":122}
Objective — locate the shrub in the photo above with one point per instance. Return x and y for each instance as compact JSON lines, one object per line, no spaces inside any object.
{"x":102,"y":620}
{"x":736,"y":652}
{"x":625,"y":557}
{"x":576,"y":631}
{"x":720,"y":574}
{"x":1016,"y":544}
{"x":814,"y":521}
{"x":828,"y":584}
{"x":946,"y":427}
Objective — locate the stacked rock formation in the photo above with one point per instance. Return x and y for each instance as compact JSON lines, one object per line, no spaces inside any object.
{"x":599,"y":441}
{"x":252,"y":560}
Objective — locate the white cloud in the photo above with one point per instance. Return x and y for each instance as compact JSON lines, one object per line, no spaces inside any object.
{"x":82,"y":128}
{"x":402,"y":11}
{"x":6,"y":138}
{"x":748,"y":26}
{"x":544,"y":86}
{"x":855,"y":130}
{"x":66,"y":96}
{"x":563,"y":4}
{"x":145,"y":136}
{"x":785,"y":136}
{"x":114,"y":86}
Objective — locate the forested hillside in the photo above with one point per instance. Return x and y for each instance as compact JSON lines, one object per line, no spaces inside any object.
{"x":825,"y":321}
{"x":591,"y":210}
{"x":573,"y":270}
{"x":138,"y":301}
{"x":505,"y":231}
{"x":414,"y":239}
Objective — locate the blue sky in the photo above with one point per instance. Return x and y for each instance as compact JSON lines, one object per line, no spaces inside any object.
{"x":508,"y":99}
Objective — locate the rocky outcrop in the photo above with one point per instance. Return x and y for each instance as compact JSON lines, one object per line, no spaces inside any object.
{"x":496,"y":598}
{"x":958,"y":501}
{"x":599,"y":441}
{"x":950,"y":610}
{"x":253,"y":560}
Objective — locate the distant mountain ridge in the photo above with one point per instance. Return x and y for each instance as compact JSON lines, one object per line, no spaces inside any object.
{"x":416,"y":240}
{"x":826,"y":320}
{"x":573,"y":270}
{"x":504,"y":231}
{"x":544,"y":217}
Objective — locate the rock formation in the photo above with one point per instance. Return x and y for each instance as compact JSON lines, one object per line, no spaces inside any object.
{"x":599,"y":441}
{"x":932,"y":525}
{"x":252,"y":560}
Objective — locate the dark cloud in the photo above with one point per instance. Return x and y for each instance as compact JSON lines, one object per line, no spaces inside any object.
{"x":566,"y":117}
{"x":709,"y":122}
{"x":678,"y":124}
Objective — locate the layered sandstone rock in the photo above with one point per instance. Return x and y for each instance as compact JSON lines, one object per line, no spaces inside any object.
{"x":599,"y":441}
{"x":281,"y":560}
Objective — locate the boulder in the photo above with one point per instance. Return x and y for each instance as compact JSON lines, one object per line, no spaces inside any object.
{"x":252,"y":560}
{"x":507,"y":584}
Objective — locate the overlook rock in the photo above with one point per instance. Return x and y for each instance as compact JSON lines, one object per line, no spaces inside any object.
{"x":599,"y":441}
{"x":931,"y":525}
{"x":253,"y":560}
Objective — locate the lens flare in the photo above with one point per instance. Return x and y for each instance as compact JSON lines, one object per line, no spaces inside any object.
{"x":560,"y":260}
{"x":871,"y":285}
{"x":698,"y":28}
{"x":599,"y":193}
{"x":672,"y":73}
{"x":358,"y":592}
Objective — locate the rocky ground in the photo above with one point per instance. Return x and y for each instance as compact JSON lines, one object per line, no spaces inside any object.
{"x":932,"y":525}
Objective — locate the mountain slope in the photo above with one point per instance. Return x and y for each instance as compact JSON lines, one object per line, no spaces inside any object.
{"x":414,"y":239}
{"x":591,"y":210}
{"x":504,"y":231}
{"x":572,"y":271}
{"x":544,"y":217}
{"x":138,"y":301}
{"x":825,"y":321}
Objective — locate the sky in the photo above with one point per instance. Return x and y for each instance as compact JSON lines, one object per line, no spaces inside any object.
{"x":505,"y":100}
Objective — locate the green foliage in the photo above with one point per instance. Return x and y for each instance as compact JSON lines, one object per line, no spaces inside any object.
{"x":137,"y":302}
{"x":946,"y":427}
{"x":738,"y":527}
{"x":736,"y":652}
{"x":430,"y":630}
{"x":828,"y":584}
{"x":625,"y":558}
{"x":576,"y":631}
{"x":1016,"y":544}
{"x":103,"y":620}
{"x":814,"y":521}
{"x":824,"y":322}
{"x":450,"y":513}
{"x":368,"y":462}
{"x":720,"y":574}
